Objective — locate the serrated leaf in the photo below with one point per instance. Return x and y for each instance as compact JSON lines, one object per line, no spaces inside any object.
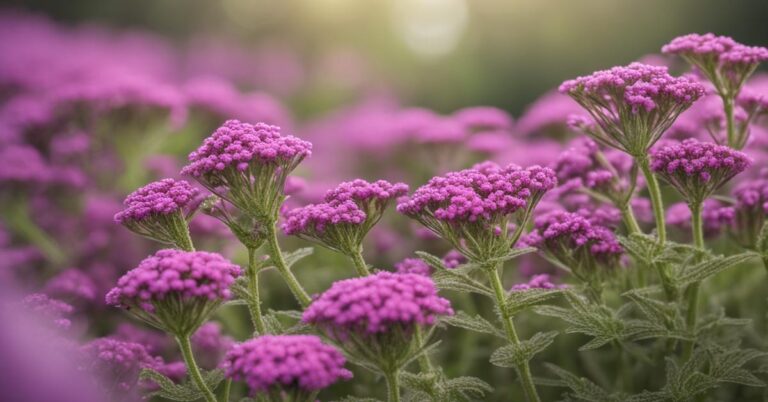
{"x":296,"y":255}
{"x":513,"y":253}
{"x":422,"y":382}
{"x":293,"y":314}
{"x":709,"y":267}
{"x":642,"y":247}
{"x":728,"y":367}
{"x":586,"y":318}
{"x":581,"y":388}
{"x":432,"y":260}
{"x":472,"y":323}
{"x":514,"y":355}
{"x":520,"y":300}
{"x":472,"y":385}
{"x":448,"y":280}
{"x":180,"y":392}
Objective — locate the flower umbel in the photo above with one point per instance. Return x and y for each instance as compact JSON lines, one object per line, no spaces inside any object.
{"x":476,"y":209}
{"x":160,"y":212}
{"x":285,"y":365}
{"x":751,"y":211}
{"x":697,"y":169}
{"x":175,"y":290}
{"x":633,"y":105}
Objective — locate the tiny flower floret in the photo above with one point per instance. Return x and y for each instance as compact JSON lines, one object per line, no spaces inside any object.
{"x":162,"y":197}
{"x":374,"y":304}
{"x":286,"y":362}
{"x":723,"y":48}
{"x":697,"y":169}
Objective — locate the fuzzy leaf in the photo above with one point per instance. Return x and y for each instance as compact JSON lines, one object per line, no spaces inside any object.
{"x":709,"y":267}
{"x":447,"y":280}
{"x":472,"y":323}
{"x":520,"y":300}
{"x":643,"y":248}
{"x":594,"y":320}
{"x":581,"y":388}
{"x":421,"y":382}
{"x":432,"y":260}
{"x":514,"y":253}
{"x":469,"y":385}
{"x":514,"y":355}
{"x":727,"y":367}
{"x":180,"y":392}
{"x":296,"y":255}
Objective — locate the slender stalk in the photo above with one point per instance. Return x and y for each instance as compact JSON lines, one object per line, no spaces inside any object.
{"x":424,"y":363}
{"x":227,"y":388}
{"x":656,"y":200}
{"x":627,"y":382}
{"x":17,"y":217}
{"x":393,"y":386}
{"x":693,"y":290}
{"x":523,"y":370}
{"x":185,"y":239}
{"x":360,"y":266}
{"x":729,"y":121}
{"x":194,"y":370}
{"x":628,"y":216}
{"x":276,"y":255}
{"x":254,"y":302}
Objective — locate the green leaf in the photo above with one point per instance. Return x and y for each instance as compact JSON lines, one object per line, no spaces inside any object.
{"x":357,"y":399}
{"x":514,"y":253}
{"x":581,"y":388}
{"x":180,"y":392}
{"x":642,"y":247}
{"x":422,"y":382}
{"x":472,"y":386}
{"x":448,"y":280}
{"x":762,"y":240}
{"x":728,"y":367}
{"x":708,"y":268}
{"x":432,"y":260}
{"x":472,"y":323}
{"x":296,"y":255}
{"x":513,"y":355}
{"x":520,"y":300}
{"x":586,"y":318}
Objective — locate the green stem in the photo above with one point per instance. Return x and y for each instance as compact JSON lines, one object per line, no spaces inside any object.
{"x":17,"y":217}
{"x":185,"y":239}
{"x":656,"y":200}
{"x":729,"y":121}
{"x":393,"y":386}
{"x":629,"y":218}
{"x":523,"y":370}
{"x":276,"y":256}
{"x":697,"y":229}
{"x":227,"y":388}
{"x":360,"y":266}
{"x":254,"y":302}
{"x":424,"y":363}
{"x":626,"y":369}
{"x":194,"y":370}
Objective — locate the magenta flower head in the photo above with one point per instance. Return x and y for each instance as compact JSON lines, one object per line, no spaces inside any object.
{"x":591,"y":251}
{"x":751,"y":211}
{"x":413,"y":266}
{"x":49,"y":311}
{"x":475,"y":209}
{"x":286,"y":365}
{"x":247,"y":165}
{"x":375,"y":316}
{"x":697,"y":169}
{"x":160,"y":212}
{"x":175,"y":290}
{"x":726,"y":63}
{"x":347,"y":214}
{"x":603,"y":174}
{"x":633,"y":105}
{"x":117,"y":364}
{"x":715,"y":217}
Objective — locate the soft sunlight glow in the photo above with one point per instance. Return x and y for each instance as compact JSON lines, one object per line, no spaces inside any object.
{"x":430,"y":28}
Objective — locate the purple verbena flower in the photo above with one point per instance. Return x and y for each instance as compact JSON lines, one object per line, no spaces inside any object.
{"x":209,"y":345}
{"x":540,"y":281}
{"x":413,"y":266}
{"x":116,"y":363}
{"x":633,"y":105}
{"x":286,"y":363}
{"x":697,"y":169}
{"x":751,"y":211}
{"x":72,"y":284}
{"x":175,"y":290}
{"x":160,"y":211}
{"x":48,"y":310}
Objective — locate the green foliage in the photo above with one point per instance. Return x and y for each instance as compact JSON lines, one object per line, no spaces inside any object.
{"x":597,"y":321}
{"x":581,"y":389}
{"x":472,"y":323}
{"x":685,"y":275}
{"x":297,"y":255}
{"x":514,"y":355}
{"x":180,"y":392}
{"x":435,"y":387}
{"x":521,"y":300}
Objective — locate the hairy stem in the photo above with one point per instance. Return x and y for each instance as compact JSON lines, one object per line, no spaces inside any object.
{"x":227,"y":388}
{"x":17,"y":217}
{"x":628,"y":216}
{"x":194,"y":370}
{"x":185,"y":239}
{"x":424,"y":363}
{"x":697,"y":230}
{"x":360,"y":266}
{"x":656,"y":200}
{"x":393,"y":386}
{"x":254,"y":302}
{"x":523,"y":370}
{"x":729,"y":122}
{"x":276,"y":256}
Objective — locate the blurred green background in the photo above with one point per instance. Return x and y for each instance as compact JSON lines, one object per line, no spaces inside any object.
{"x":442,"y":54}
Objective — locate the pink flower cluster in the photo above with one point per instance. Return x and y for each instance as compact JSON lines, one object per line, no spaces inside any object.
{"x":312,"y":220}
{"x":413,"y":266}
{"x":482,"y":193}
{"x":236,"y":145}
{"x":696,"y":169}
{"x":752,"y":194}
{"x":722,"y":49}
{"x":117,"y":361}
{"x":374,"y":304}
{"x":50,"y":311}
{"x":640,"y":86}
{"x":365,"y":193}
{"x":73,"y":284}
{"x":562,"y":232}
{"x":162,"y":197}
{"x":174,"y":273}
{"x":540,"y":281}
{"x":286,"y":362}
